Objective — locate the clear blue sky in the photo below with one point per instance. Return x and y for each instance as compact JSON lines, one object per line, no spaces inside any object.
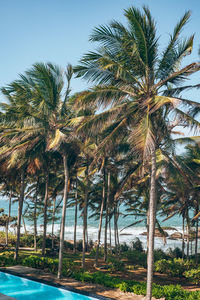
{"x":58,"y":30}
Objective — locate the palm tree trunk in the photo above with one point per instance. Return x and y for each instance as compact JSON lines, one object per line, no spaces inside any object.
{"x":53,"y":220}
{"x":188,"y":233}
{"x":25,"y":231}
{"x":20,"y":208}
{"x":35,"y":215}
{"x":9,"y":214}
{"x":117,"y":231}
{"x":85,"y":217}
{"x":147,"y":225}
{"x":115,"y":227}
{"x":183,"y":237}
{"x":196,"y":236}
{"x":62,"y":227}
{"x":152,"y":214}
{"x":76,"y":214}
{"x":110,"y":246}
{"x":45,"y":213}
{"x":100,"y":219}
{"x":106,"y":220}
{"x":86,"y":232}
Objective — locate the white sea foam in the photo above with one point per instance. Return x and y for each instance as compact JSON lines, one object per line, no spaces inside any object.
{"x":125,"y":236}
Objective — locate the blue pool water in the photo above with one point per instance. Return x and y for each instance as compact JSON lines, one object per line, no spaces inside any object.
{"x":25,"y":289}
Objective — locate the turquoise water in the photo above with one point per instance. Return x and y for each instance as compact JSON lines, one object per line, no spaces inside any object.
{"x":25,"y":289}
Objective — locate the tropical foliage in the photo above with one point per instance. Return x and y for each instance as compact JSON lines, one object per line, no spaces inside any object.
{"x":111,"y":146}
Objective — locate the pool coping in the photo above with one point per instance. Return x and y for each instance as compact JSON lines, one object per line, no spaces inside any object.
{"x":58,"y":285}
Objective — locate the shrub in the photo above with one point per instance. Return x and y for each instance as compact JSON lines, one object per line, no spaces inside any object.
{"x":170,"y":292}
{"x":173,"y":267}
{"x":175,"y":253}
{"x":136,"y":258}
{"x":79,"y":246}
{"x":94,"y":250}
{"x":124,"y":247}
{"x":7,"y":261}
{"x":27,"y":240}
{"x":159,"y":254}
{"x":137,"y":245}
{"x":116,"y":265}
{"x":68,"y":245}
{"x":48,"y":241}
{"x":193,"y":275}
{"x":48,"y":264}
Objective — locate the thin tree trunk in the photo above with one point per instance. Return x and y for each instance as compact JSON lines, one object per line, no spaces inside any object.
{"x":110,"y":233}
{"x":115,"y":228}
{"x":45,"y":213}
{"x":147,"y":232}
{"x":100,"y":219}
{"x":196,"y":236}
{"x":76,"y":214}
{"x":152,"y":213}
{"x":20,"y":208}
{"x":117,"y":231}
{"x":25,"y":231}
{"x":188,"y":233}
{"x":183,"y":238}
{"x":85,"y":217}
{"x":35,"y":216}
{"x":62,"y":227}
{"x":9,"y":214}
{"x":86,"y":233}
{"x":106,"y":220}
{"x":53,"y":221}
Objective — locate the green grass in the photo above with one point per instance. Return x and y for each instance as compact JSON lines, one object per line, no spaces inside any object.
{"x":51,"y":265}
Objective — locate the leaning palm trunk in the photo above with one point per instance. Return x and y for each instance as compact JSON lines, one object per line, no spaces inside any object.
{"x":76,"y":214}
{"x":20,"y":208}
{"x":106,"y":220}
{"x":62,"y":227}
{"x":9,"y":214}
{"x":45,"y":213}
{"x":116,"y":229}
{"x":25,"y":231}
{"x":152,"y":213}
{"x":100,"y":220}
{"x":85,"y":217}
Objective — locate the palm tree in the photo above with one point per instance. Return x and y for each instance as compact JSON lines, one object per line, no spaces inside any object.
{"x":44,"y":116}
{"x":140,"y":88}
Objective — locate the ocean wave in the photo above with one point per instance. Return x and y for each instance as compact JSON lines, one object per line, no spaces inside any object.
{"x":126,"y":236}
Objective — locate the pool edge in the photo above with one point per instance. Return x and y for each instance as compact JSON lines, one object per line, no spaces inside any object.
{"x":58,"y":285}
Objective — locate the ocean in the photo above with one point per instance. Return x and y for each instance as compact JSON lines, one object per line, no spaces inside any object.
{"x":127,"y":235}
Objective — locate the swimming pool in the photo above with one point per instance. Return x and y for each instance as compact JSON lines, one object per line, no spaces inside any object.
{"x":26,"y":289}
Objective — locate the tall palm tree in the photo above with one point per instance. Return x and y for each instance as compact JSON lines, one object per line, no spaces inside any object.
{"x":140,"y":88}
{"x":44,"y":115}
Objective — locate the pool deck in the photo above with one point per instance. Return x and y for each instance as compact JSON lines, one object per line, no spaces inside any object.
{"x":4,"y":297}
{"x":94,"y":290}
